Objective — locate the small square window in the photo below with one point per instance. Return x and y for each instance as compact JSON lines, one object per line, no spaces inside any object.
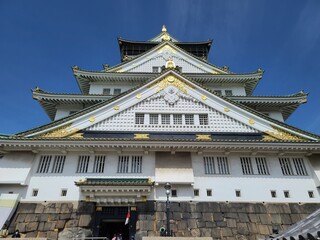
{"x":153,"y":119}
{"x":228,"y":92}
{"x":209,"y":192}
{"x":203,"y":119}
{"x":10,"y":192}
{"x":218,"y":92}
{"x":273,"y":194}
{"x":35,"y":192}
{"x":106,"y":91}
{"x":116,"y":91}
{"x":311,"y":194}
{"x":177,"y":119}
{"x":196,"y":192}
{"x":238,"y":193}
{"x":64,"y":192}
{"x":165,"y":119}
{"x":174,"y":193}
{"x":155,"y":69}
{"x":286,"y":194}
{"x":139,"y":118}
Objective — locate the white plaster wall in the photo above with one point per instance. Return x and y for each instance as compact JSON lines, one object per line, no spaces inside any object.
{"x":97,"y":88}
{"x":184,"y":192}
{"x":315,"y":163}
{"x":237,"y":90}
{"x":64,"y":110}
{"x":276,"y":115}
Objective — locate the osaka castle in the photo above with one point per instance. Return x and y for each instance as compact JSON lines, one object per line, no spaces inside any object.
{"x":164,"y":142}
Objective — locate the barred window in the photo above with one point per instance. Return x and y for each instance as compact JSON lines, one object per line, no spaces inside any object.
{"x":123,"y":164}
{"x":228,"y":92}
{"x":311,"y":194}
{"x":203,"y":119}
{"x":246,"y":165}
{"x":153,"y":119}
{"x":273,"y":193}
{"x":209,"y":165}
{"x":196,"y":192}
{"x":136,"y":164}
{"x":189,"y":119}
{"x":98,"y":166}
{"x":218,"y":92}
{"x":177,"y":119}
{"x":116,"y":91}
{"x":286,"y":193}
{"x":34,"y":192}
{"x":165,"y":119}
{"x":106,"y":91}
{"x":262,"y":166}
{"x":174,"y":193}
{"x":139,"y":118}
{"x":238,"y":193}
{"x":44,"y":164}
{"x":155,"y":69}
{"x":64,"y":192}
{"x":58,"y":164}
{"x":83,"y":163}
{"x":299,"y":166}
{"x":222,"y":163}
{"x":209,"y":192}
{"x":285,"y":166}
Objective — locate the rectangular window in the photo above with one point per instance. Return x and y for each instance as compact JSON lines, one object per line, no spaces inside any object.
{"x":116,"y":91}
{"x":222,"y":165}
{"x":83,"y":163}
{"x":153,"y":119}
{"x":35,"y":192}
{"x":228,"y":92}
{"x":262,"y":166}
{"x":218,"y":92}
{"x":273,"y":193}
{"x":155,"y":69}
{"x":246,"y":165}
{"x":189,"y":119}
{"x":174,"y":193}
{"x":58,"y":164}
{"x":238,"y":193}
{"x":136,"y":164}
{"x":98,"y":166}
{"x":106,"y":91}
{"x":139,"y":118}
{"x":123,"y":164}
{"x":310,"y":194}
{"x":64,"y":192}
{"x":196,"y":192}
{"x":165,"y":119}
{"x":177,"y":119}
{"x":285,"y":166}
{"x":44,"y":164}
{"x":286,"y":194}
{"x":299,"y":166}
{"x":209,"y":192}
{"x":209,"y":165}
{"x":203,"y":119}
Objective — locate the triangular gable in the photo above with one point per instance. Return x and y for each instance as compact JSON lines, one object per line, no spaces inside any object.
{"x":158,"y":56}
{"x":226,"y":109}
{"x":163,"y":36}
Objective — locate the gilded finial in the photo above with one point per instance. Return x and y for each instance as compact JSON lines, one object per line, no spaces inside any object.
{"x":164,"y":29}
{"x":170,"y":63}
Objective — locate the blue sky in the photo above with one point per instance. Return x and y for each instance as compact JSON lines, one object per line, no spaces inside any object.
{"x":41,"y":40}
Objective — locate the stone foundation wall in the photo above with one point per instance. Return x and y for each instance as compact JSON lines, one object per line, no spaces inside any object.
{"x":37,"y":220}
{"x":228,"y":221}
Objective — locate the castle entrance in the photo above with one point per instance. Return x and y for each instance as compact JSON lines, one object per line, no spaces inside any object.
{"x":111,"y":220}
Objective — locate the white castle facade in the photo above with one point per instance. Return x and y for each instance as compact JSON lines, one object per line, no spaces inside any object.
{"x":164,"y":114}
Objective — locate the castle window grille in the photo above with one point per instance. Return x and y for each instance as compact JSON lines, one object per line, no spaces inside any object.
{"x":35,"y":192}
{"x":153,"y":119}
{"x":106,"y":91}
{"x":44,"y":164}
{"x":116,"y":91}
{"x":228,"y":92}
{"x":177,"y":119}
{"x":58,"y":164}
{"x":262,"y":166}
{"x":98,"y":166}
{"x":311,"y":194}
{"x":209,"y":165}
{"x":189,"y":119}
{"x":203,"y":119}
{"x":136,"y":164}
{"x":196,"y":192}
{"x":83,"y":164}
{"x":139,"y":118}
{"x":246,"y":165}
{"x":299,"y":166}
{"x":165,"y":119}
{"x":123,"y":164}
{"x":222,"y":165}
{"x":218,"y":92}
{"x":285,"y":166}
{"x":155,"y":69}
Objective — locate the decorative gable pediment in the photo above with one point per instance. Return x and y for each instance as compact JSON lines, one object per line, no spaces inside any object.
{"x":158,"y":57}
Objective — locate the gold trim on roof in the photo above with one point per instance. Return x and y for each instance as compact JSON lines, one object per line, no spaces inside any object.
{"x":116,"y":107}
{"x":59,"y":132}
{"x":281,"y":135}
{"x":164,"y":29}
{"x":170,"y":64}
{"x":251,"y":121}
{"x":166,"y":48}
{"x":141,"y":136}
{"x":92,"y":119}
{"x":173,"y":81}
{"x":205,"y":137}
{"x":204,"y":97}
{"x":226,"y":109}
{"x":138,"y":96}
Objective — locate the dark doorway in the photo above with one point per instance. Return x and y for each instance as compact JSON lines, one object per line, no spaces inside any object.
{"x":109,"y":228}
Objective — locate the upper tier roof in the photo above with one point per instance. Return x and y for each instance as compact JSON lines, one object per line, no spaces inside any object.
{"x":130,"y":49}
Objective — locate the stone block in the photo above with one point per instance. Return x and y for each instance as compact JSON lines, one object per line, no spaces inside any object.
{"x":68,"y":208}
{"x":231,"y":223}
{"x":83,"y":208}
{"x":64,"y":216}
{"x":275,"y":218}
{"x":160,"y":207}
{"x":42,"y":235}
{"x":60,"y":224}
{"x":32,"y":217}
{"x":182,"y":225}
{"x":226,"y":232}
{"x":230,"y":215}
{"x":265,"y":218}
{"x":52,"y":235}
{"x":216,"y":233}
{"x":231,"y":238}
{"x":285,"y":218}
{"x":243,"y":217}
{"x":201,"y":224}
{"x":242,"y":228}
{"x":39,"y":208}
{"x":49,"y":226}
{"x":21,"y":217}
{"x":71,"y":223}
{"x":53,"y":217}
{"x":44,"y":217}
{"x":294,"y":208}
{"x":41,"y":226}
{"x":27,"y":207}
{"x":253,"y":217}
{"x":186,"y":206}
{"x":263,"y":229}
{"x":175,"y":207}
{"x":207,"y":216}
{"x":21,"y":227}
{"x":210,"y":224}
{"x":84,"y":220}
{"x":152,"y":233}
{"x":295,"y":218}
{"x":160,"y":216}
{"x":252,"y":228}
{"x":214,"y":207}
{"x":221,"y":224}
{"x":195,"y":215}
{"x":185,"y":215}
{"x":32,"y":234}
{"x":192,"y":223}
{"x":218,"y":217}
{"x":32,"y":226}
{"x":151,"y":226}
{"x":205,"y":232}
{"x":195,"y":232}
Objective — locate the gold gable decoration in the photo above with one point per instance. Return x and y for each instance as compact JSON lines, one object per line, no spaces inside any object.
{"x":173,"y":81}
{"x":280,"y":134}
{"x":62,"y":132}
{"x":203,"y":137}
